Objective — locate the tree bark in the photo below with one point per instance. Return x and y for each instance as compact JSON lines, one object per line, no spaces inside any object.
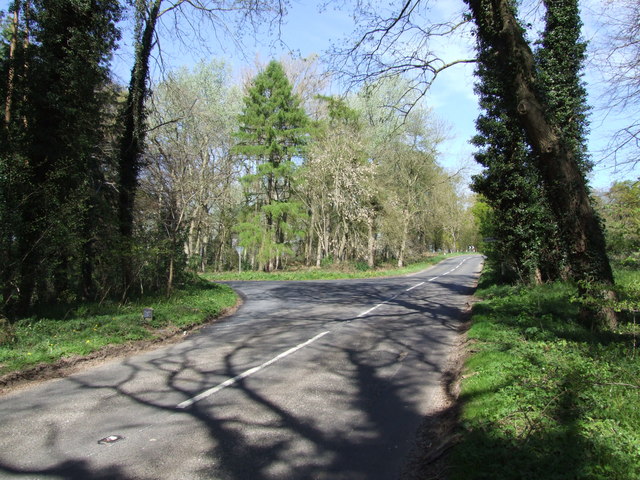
{"x":132,"y":142}
{"x":565,"y":186}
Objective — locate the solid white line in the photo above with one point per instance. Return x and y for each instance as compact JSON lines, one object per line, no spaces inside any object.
{"x":245,"y":374}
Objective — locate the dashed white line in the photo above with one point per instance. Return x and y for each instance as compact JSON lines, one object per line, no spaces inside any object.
{"x":411,"y":288}
{"x":415,"y":286}
{"x":245,"y":374}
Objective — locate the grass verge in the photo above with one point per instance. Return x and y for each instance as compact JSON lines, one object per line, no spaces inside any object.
{"x":334,"y":272}
{"x":90,"y":327}
{"x":544,"y":397}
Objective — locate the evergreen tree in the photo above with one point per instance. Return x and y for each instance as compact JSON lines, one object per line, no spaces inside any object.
{"x":524,"y":238}
{"x":273,"y":131}
{"x":50,"y":148}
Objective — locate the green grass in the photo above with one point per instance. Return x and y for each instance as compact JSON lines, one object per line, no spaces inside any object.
{"x":544,"y":397}
{"x":89,"y":327}
{"x":332,"y":272}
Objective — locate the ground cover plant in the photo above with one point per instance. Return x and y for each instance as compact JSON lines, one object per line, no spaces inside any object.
{"x":87,"y":328}
{"x":545,"y":397}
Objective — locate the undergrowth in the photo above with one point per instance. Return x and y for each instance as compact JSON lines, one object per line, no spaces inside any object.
{"x":544,"y":397}
{"x":89,"y":327}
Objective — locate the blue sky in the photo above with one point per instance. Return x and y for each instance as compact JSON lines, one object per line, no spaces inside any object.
{"x":307,"y":30}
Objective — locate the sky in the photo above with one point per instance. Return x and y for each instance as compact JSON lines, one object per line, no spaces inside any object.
{"x":309,"y":29}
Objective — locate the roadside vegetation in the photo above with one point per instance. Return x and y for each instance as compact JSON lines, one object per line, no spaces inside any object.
{"x":543,"y":395}
{"x":46,"y":337}
{"x":330,"y":271}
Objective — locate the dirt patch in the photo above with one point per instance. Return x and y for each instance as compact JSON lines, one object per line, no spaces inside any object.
{"x":69,"y":365}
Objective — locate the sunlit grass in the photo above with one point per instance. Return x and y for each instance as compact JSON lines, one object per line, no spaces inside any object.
{"x":332,"y":272}
{"x":89,"y":327}
{"x":545,"y":397}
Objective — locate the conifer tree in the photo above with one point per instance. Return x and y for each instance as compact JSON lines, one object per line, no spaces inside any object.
{"x":273,"y":131}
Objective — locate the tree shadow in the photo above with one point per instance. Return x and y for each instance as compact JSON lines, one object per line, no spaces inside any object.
{"x":359,"y":394}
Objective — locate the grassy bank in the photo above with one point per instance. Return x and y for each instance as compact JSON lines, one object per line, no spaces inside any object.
{"x":329,"y":272}
{"x":544,"y":397}
{"x":89,"y":327}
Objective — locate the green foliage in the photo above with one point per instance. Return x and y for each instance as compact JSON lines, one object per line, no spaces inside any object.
{"x":621,"y":212}
{"x":523,"y":231}
{"x":328,"y":271}
{"x":543,"y":396}
{"x":273,"y":130}
{"x":50,"y":165}
{"x":530,"y":241}
{"x":91,"y":326}
{"x":272,"y":123}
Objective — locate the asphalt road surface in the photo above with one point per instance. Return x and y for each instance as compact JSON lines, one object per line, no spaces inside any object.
{"x":308,"y":380}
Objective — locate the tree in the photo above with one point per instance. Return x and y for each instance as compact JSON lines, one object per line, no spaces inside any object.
{"x":51,"y":147}
{"x":565,"y":188}
{"x":147,"y":15}
{"x":382,"y":50}
{"x":524,"y":235}
{"x":621,"y":211}
{"x":190,"y":170}
{"x":273,"y":129}
{"x":619,"y":60}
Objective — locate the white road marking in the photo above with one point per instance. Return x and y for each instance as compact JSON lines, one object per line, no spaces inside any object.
{"x":363,"y":314}
{"x":370,"y":310}
{"x":245,"y":374}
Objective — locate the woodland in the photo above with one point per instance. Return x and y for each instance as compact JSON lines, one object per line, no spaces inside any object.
{"x":112,"y":191}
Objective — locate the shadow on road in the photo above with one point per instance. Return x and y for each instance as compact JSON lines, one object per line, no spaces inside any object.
{"x":358,"y":396}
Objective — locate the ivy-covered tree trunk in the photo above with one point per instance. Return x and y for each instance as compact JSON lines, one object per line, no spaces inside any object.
{"x":564,"y":183}
{"x":132,"y":142}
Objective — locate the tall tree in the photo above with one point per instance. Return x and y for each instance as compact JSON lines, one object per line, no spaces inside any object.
{"x":52,"y":145}
{"x":556,"y":159}
{"x":220,"y":15}
{"x":273,"y":130}
{"x":523,"y":237}
{"x":190,"y":173}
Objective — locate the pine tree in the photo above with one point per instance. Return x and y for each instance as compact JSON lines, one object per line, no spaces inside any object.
{"x":273,"y":131}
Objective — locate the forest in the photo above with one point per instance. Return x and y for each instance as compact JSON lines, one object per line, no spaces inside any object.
{"x":112,"y":191}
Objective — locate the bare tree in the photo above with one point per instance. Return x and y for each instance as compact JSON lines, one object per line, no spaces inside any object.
{"x":619,"y":60}
{"x":404,"y":42}
{"x":226,"y":18}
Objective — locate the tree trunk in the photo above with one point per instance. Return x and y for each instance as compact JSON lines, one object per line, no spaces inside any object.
{"x":565,"y":186}
{"x":132,"y":142}
{"x":371,"y":260}
{"x":12,"y":70}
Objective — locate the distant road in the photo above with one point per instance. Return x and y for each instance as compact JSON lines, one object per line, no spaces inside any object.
{"x":308,"y":380}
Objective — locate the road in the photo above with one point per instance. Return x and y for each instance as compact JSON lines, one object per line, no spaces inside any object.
{"x":308,"y":380}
